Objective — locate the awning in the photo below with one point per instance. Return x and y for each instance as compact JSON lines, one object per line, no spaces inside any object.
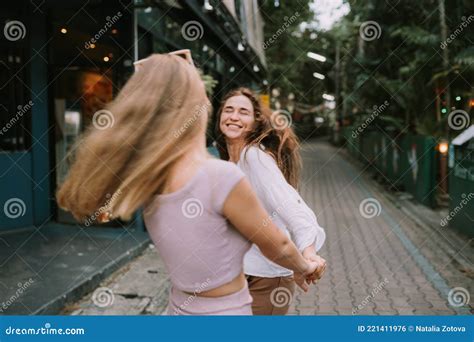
{"x":464,"y":137}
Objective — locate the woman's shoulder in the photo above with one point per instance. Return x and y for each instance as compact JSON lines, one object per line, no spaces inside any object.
{"x":221,"y":167}
{"x":253,"y":153}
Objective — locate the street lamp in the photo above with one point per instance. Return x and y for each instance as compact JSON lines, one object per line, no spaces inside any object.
{"x":328,"y":97}
{"x":318,"y":75}
{"x":316,"y":56}
{"x":443,"y":148}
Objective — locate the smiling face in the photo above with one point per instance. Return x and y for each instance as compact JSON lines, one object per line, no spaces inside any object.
{"x":237,"y":118}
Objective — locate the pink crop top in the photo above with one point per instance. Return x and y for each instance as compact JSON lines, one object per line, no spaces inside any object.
{"x":200,"y":248}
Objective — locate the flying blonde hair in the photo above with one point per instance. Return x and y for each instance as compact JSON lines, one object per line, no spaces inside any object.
{"x":156,"y":117}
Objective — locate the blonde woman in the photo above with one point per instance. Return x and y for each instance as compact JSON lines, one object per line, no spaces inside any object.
{"x":268,"y":155}
{"x":154,"y":156}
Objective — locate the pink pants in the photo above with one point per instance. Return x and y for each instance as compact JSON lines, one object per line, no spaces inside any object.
{"x":238,"y":303}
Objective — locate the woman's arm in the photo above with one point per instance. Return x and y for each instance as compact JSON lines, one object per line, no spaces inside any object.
{"x":244,"y":211}
{"x":272,"y":187}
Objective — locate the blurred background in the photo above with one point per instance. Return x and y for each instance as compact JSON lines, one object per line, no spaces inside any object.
{"x":388,"y":82}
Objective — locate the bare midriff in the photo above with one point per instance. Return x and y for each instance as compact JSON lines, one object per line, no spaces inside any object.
{"x":231,"y":287}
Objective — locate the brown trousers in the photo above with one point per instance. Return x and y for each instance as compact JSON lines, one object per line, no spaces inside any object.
{"x":271,"y":296}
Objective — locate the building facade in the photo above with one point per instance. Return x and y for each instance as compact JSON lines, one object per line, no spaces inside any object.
{"x":62,"y":61}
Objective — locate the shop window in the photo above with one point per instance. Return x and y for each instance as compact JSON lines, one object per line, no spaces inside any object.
{"x":88,"y":63}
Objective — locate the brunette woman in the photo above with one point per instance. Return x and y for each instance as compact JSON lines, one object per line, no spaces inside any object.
{"x":267,"y":151}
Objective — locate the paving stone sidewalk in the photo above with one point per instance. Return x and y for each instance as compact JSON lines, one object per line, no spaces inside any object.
{"x":381,"y":261}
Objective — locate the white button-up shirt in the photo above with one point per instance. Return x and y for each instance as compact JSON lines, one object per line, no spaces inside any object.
{"x":285,"y":207}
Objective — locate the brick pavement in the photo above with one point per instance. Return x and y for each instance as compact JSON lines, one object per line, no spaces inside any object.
{"x":378,"y":265}
{"x":381,"y":265}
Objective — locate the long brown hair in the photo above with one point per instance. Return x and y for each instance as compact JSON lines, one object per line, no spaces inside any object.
{"x":276,"y":136}
{"x":152,"y":122}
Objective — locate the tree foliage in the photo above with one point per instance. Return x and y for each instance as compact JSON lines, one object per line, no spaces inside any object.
{"x":403,"y":64}
{"x":286,"y":45}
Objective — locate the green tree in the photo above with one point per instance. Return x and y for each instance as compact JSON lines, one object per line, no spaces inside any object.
{"x":285,"y":45}
{"x":406,"y":63}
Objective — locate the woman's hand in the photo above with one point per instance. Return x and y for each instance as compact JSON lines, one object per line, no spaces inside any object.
{"x":303,"y":279}
{"x":311,"y":256}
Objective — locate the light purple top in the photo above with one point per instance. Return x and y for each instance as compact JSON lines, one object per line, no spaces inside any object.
{"x":199,"y":247}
